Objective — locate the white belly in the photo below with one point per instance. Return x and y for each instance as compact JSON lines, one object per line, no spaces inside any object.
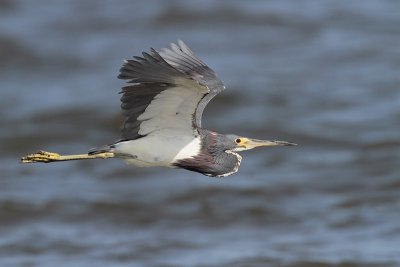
{"x":158,"y":150}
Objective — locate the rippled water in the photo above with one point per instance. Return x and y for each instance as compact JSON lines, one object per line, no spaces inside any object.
{"x":324,"y":74}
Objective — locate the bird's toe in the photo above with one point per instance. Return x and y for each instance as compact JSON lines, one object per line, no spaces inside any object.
{"x":40,"y":156}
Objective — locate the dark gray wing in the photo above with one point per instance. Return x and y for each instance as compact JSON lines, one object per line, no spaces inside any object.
{"x":169,"y":91}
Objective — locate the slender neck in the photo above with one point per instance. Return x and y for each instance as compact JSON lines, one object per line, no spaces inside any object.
{"x":213,"y":159}
{"x":225,"y":162}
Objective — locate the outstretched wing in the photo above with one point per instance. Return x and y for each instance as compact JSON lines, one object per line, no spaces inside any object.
{"x":169,"y":91}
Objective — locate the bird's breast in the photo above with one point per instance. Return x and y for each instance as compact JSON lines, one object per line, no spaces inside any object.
{"x":188,"y":150}
{"x":212,"y":164}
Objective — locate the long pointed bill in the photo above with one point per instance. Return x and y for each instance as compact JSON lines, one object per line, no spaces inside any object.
{"x":252,"y":143}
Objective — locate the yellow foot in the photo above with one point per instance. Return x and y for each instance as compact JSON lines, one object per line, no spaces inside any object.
{"x":41,"y":156}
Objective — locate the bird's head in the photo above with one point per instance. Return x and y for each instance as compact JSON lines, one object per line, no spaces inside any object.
{"x":238,"y":143}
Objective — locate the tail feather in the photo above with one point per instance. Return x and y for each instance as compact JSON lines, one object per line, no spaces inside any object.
{"x":101,"y":149}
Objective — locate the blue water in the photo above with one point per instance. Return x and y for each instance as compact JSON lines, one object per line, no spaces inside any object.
{"x":323,"y":74}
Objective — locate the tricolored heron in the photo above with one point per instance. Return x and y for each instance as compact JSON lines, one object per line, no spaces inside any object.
{"x":163,"y":106}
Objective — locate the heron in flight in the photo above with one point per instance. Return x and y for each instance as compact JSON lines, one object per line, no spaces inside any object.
{"x":163,"y":104}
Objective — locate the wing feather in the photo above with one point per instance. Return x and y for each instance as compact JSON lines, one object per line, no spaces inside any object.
{"x":168,"y":90}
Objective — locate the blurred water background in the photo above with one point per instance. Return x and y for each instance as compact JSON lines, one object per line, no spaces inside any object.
{"x":323,"y":74}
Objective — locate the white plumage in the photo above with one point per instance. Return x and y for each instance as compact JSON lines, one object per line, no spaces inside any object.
{"x":172,"y":109}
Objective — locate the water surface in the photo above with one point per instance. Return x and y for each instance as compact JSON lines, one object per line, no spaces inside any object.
{"x":322,"y":74}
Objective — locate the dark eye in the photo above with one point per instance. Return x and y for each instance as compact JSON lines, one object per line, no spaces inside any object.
{"x":238,"y":140}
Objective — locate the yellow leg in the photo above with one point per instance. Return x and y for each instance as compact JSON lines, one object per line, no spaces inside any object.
{"x":47,"y":157}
